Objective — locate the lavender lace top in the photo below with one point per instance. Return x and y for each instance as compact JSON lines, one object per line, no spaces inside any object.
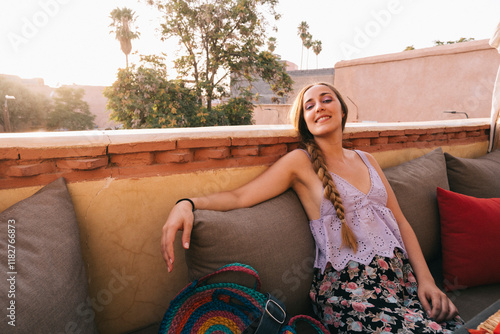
{"x":373,"y":224}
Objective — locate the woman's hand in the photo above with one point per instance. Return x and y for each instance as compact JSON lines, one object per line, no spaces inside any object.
{"x":180,"y":219}
{"x":435,"y":302}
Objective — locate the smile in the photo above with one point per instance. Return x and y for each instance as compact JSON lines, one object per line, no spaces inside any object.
{"x":322,"y":118}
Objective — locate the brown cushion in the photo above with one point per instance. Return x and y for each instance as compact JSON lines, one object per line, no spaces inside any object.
{"x":415,"y":183}
{"x":475,"y":177}
{"x":273,"y":237}
{"x":50,"y":289}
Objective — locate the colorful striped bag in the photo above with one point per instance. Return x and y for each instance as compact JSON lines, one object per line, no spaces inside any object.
{"x":224,"y":307}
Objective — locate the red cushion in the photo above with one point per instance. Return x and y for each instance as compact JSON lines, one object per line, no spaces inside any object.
{"x":470,"y":236}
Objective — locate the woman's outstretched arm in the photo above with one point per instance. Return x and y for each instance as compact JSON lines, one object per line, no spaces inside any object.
{"x":274,"y":181}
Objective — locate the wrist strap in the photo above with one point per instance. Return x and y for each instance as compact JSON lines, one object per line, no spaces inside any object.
{"x":186,"y":199}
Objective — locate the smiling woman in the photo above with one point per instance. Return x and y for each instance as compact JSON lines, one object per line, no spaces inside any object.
{"x":368,"y":258}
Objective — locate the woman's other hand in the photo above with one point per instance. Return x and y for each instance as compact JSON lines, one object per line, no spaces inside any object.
{"x":436,"y":303}
{"x":180,"y":219}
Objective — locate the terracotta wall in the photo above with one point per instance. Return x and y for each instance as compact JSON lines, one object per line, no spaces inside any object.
{"x":419,"y":85}
{"x":31,"y":159}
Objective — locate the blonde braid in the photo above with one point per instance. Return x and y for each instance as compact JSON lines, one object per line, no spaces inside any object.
{"x":331,"y":193}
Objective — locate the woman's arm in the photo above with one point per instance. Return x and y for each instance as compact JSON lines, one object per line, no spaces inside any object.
{"x":274,"y":181}
{"x":434,"y":301}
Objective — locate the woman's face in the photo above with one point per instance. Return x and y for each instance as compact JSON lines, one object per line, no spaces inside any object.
{"x":322,"y":110}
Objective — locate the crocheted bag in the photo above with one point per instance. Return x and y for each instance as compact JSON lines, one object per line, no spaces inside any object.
{"x":204,"y":307}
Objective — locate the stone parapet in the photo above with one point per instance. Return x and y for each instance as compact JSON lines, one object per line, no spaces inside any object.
{"x":35,"y":159}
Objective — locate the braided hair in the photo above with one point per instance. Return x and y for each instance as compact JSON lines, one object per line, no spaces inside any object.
{"x":318,"y":160}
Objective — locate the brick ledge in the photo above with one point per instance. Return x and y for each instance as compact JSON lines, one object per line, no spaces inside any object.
{"x":32,"y":159}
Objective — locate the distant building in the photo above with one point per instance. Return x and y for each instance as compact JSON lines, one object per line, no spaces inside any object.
{"x":299,"y":77}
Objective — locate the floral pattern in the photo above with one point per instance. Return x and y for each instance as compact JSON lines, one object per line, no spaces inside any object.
{"x":377,"y":298}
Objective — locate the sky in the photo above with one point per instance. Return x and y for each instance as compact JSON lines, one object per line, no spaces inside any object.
{"x":68,"y":41}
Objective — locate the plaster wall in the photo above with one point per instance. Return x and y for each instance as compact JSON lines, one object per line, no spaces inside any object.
{"x":271,"y":114}
{"x":421,"y":84}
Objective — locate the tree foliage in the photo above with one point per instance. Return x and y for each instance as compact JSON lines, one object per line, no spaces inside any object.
{"x":28,"y":111}
{"x":438,"y":43}
{"x":308,"y":43}
{"x":317,"y":48}
{"x":143,"y":97}
{"x":236,"y":111}
{"x":70,"y":111}
{"x":220,"y":39}
{"x":302,"y":32}
{"x":461,"y":40}
{"x":271,"y":44}
{"x":122,"y":20}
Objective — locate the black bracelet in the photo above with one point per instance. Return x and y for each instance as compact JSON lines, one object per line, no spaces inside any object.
{"x":186,"y":199}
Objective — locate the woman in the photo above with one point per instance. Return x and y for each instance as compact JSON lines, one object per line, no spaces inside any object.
{"x":368,"y":257}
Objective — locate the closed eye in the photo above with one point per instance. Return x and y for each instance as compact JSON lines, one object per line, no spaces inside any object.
{"x":309,"y":106}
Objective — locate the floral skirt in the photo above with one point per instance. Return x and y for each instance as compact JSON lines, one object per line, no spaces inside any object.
{"x":377,"y":298}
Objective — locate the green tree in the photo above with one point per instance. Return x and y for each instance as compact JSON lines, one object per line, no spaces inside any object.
{"x":142,"y":97}
{"x":317,"y":48}
{"x":302,"y":32}
{"x":70,"y":112}
{"x":273,"y":71}
{"x":236,"y":111}
{"x":221,"y":40}
{"x":122,"y":20}
{"x":28,"y":111}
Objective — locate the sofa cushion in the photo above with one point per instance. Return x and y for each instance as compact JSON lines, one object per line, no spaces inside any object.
{"x":414,"y":183}
{"x":475,"y":177}
{"x":273,"y":237}
{"x":470,"y":231}
{"x":47,"y":283}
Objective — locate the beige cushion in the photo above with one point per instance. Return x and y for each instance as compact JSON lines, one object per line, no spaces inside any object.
{"x":415,"y":183}
{"x":50,"y":280}
{"x":273,"y":237}
{"x":475,"y":177}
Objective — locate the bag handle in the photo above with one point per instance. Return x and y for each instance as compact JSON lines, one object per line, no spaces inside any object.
{"x":316,"y":324}
{"x":235,"y":267}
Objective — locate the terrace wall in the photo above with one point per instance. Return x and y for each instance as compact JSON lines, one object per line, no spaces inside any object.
{"x":409,"y":86}
{"x":419,"y":85}
{"x":33,"y":159}
{"x":124,"y":183}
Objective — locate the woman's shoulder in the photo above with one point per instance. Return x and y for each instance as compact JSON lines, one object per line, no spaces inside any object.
{"x":297,"y":161}
{"x":299,"y":155}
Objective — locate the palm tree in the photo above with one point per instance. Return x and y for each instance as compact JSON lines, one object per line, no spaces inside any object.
{"x":302,"y":32}
{"x":308,"y":44}
{"x":122,"y":19}
{"x":317,"y":48}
